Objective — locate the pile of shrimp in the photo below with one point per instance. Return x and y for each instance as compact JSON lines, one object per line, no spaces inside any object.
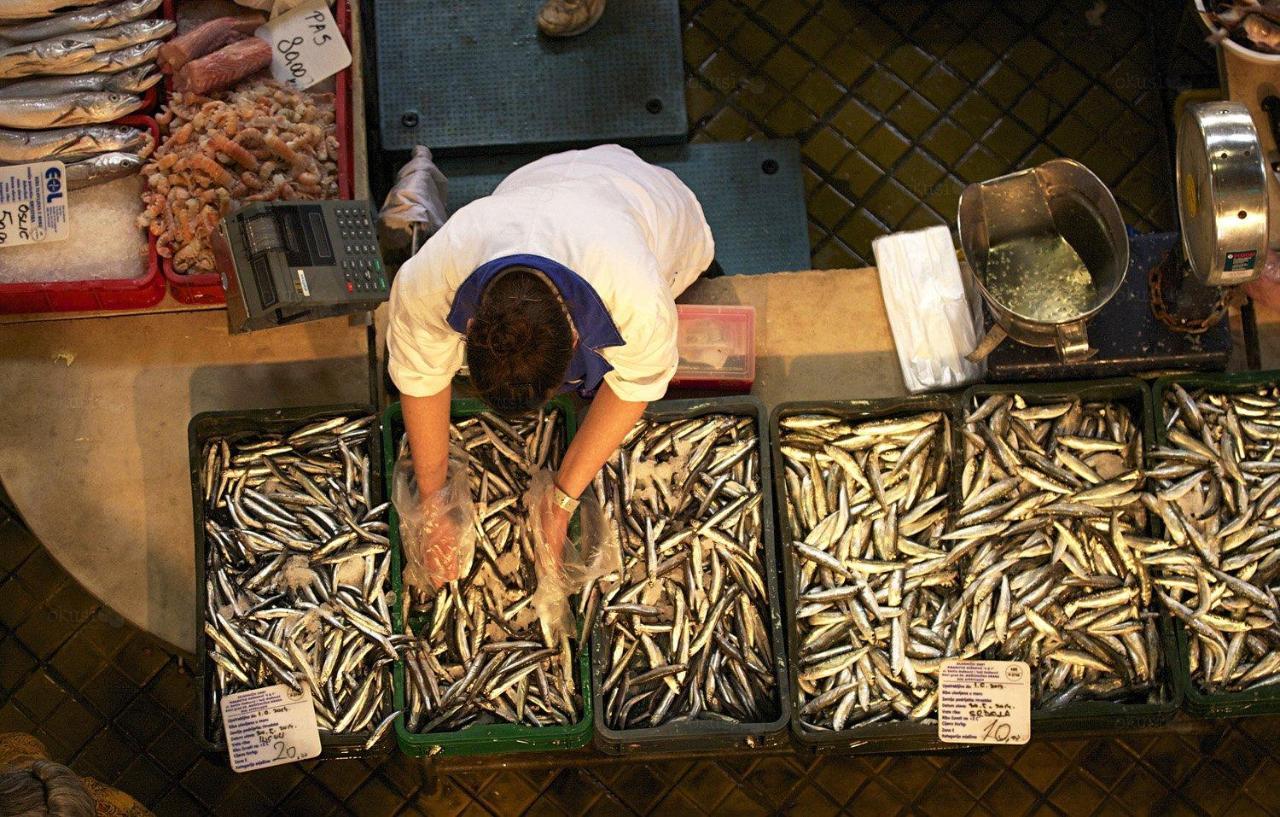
{"x":258,"y":142}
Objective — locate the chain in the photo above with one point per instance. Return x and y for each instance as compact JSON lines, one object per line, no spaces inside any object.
{"x":1157,"y":278}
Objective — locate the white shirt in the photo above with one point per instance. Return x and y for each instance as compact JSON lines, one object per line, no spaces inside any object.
{"x":631,"y":230}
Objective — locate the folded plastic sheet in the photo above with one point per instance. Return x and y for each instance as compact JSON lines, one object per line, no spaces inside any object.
{"x":934,"y":322}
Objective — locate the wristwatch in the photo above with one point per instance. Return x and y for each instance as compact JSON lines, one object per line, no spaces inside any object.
{"x":564,"y":501}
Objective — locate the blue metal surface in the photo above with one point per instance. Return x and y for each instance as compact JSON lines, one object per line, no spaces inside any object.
{"x":751,"y":192}
{"x":466,"y":74}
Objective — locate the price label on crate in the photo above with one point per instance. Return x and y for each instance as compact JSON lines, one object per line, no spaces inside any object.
{"x":269,"y":726}
{"x":984,"y":702}
{"x":306,"y":46}
{"x":33,"y":203}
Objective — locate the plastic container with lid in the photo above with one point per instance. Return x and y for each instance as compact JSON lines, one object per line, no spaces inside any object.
{"x":717,"y":348}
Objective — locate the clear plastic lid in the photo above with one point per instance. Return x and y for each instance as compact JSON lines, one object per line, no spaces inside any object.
{"x":716,"y":343}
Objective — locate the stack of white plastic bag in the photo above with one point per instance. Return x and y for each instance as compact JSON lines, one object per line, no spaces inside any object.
{"x":934,"y":322}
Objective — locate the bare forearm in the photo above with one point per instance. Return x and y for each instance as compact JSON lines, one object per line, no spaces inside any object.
{"x":608,"y":421}
{"x":426,"y":421}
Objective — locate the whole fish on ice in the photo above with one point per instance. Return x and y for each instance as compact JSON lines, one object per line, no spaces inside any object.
{"x":124,"y":35}
{"x":110,"y":62}
{"x":33,"y":9}
{"x":104,"y":168}
{"x":70,"y":144}
{"x":87,"y":108}
{"x":88,"y":19}
{"x":133,"y":81}
{"x":44,"y":57}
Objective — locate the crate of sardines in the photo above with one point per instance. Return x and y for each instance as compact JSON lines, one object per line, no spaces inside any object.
{"x":687,"y":647}
{"x":480,"y":673}
{"x":1214,"y":478}
{"x":864,"y":495}
{"x":1053,"y":530}
{"x":293,"y":567}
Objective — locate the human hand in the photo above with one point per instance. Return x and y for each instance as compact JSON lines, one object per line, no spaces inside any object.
{"x":437,"y":539}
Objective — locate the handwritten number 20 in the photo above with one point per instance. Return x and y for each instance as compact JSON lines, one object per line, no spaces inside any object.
{"x":999,"y":730}
{"x":284,"y":752}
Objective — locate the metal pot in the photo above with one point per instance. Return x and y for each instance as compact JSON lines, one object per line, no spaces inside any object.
{"x":1060,"y":204}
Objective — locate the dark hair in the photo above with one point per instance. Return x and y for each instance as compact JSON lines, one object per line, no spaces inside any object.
{"x":520,"y":342}
{"x":45,"y":789}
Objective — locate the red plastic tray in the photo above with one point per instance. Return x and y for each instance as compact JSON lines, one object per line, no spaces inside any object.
{"x":207,"y":288}
{"x":90,"y":296}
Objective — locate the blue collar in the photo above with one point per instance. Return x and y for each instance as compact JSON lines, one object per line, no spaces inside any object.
{"x":591,"y":319}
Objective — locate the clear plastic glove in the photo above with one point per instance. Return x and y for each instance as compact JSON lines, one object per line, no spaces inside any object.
{"x":565,"y":567}
{"x":437,"y":531}
{"x":1265,"y":289}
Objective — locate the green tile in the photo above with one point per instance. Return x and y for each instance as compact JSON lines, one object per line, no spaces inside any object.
{"x":848,"y":64}
{"x":859,"y":231}
{"x":756,"y":97}
{"x":698,"y":46}
{"x":854,"y":120}
{"x":817,"y":233}
{"x":884,"y":146}
{"x":825,"y":149}
{"x":920,"y":218}
{"x":721,"y":16}
{"x":783,"y":15}
{"x":752,"y":43}
{"x":970,"y":59}
{"x":815,"y":37}
{"x":873,"y":36}
{"x":1009,"y":140}
{"x":941,"y":86}
{"x":997,"y":30}
{"x":842,"y":17}
{"x":1040,"y":154}
{"x":975,"y":113}
{"x":938,"y":34}
{"x":787,"y":67}
{"x":1004,"y":85}
{"x":944,"y":197}
{"x":857,"y":173}
{"x":913,"y":115}
{"x":1141,"y":190}
{"x":835,"y":255}
{"x":881,"y":90}
{"x":890,"y":203}
{"x":699,"y":100}
{"x":1063,"y":83}
{"x":812,"y":181}
{"x":819,"y":92}
{"x":1036,"y":110}
{"x":789,"y":119}
{"x":980,"y":164}
{"x":1099,"y":107}
{"x":947,"y":141}
{"x":1072,"y":136}
{"x":909,"y":62}
{"x":828,"y":207}
{"x":919,"y":173}
{"x":729,"y":126}
{"x":1030,"y":56}
{"x":1103,"y":160}
{"x":723,"y":72}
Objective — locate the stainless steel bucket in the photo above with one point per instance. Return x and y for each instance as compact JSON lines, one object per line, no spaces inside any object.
{"x":1047,"y":249}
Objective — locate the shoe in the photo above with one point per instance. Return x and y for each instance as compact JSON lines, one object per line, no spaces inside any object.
{"x":569,"y":18}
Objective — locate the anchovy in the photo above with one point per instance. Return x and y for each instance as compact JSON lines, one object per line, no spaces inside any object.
{"x":88,"y":19}
{"x":873,"y":577}
{"x":70,"y":144}
{"x":478,"y":653}
{"x":134,"y":81}
{"x":85,"y":108}
{"x":1221,"y":574}
{"x":1061,"y":585}
{"x":684,"y":623}
{"x":102,"y":168}
{"x":275,"y":613}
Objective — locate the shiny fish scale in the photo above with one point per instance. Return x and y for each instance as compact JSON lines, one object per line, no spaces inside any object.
{"x":1218,"y":571}
{"x":684,"y":623}
{"x":480,"y":655}
{"x":1053,"y":578}
{"x":298,"y":562}
{"x":873,"y":584}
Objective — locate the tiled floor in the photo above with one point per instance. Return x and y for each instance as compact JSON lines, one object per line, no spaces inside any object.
{"x":897,"y":106}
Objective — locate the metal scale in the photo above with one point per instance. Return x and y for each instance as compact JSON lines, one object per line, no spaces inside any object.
{"x":1168,"y":309}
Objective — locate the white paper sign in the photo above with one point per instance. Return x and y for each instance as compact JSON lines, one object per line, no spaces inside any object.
{"x":33,"y":203}
{"x":269,"y":726}
{"x":984,"y":702}
{"x":306,"y":46}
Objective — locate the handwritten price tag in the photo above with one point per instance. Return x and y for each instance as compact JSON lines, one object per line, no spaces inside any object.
{"x":33,"y":204}
{"x":984,"y":702}
{"x":306,"y":45}
{"x":269,"y":726}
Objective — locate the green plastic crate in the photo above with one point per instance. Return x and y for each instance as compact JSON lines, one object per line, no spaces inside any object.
{"x":1262,"y":701}
{"x":490,"y":739}
{"x":1096,"y":716}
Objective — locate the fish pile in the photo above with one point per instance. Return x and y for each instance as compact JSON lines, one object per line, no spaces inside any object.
{"x":296,"y":574}
{"x":82,"y":67}
{"x":479,"y":655}
{"x":260,"y":142}
{"x":1050,"y":536}
{"x":684,"y":622}
{"x":1252,"y":23}
{"x":875,"y":612}
{"x":215,"y":55}
{"x":1216,"y":488}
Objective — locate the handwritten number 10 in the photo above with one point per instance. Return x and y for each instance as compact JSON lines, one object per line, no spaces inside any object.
{"x":998,"y":730}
